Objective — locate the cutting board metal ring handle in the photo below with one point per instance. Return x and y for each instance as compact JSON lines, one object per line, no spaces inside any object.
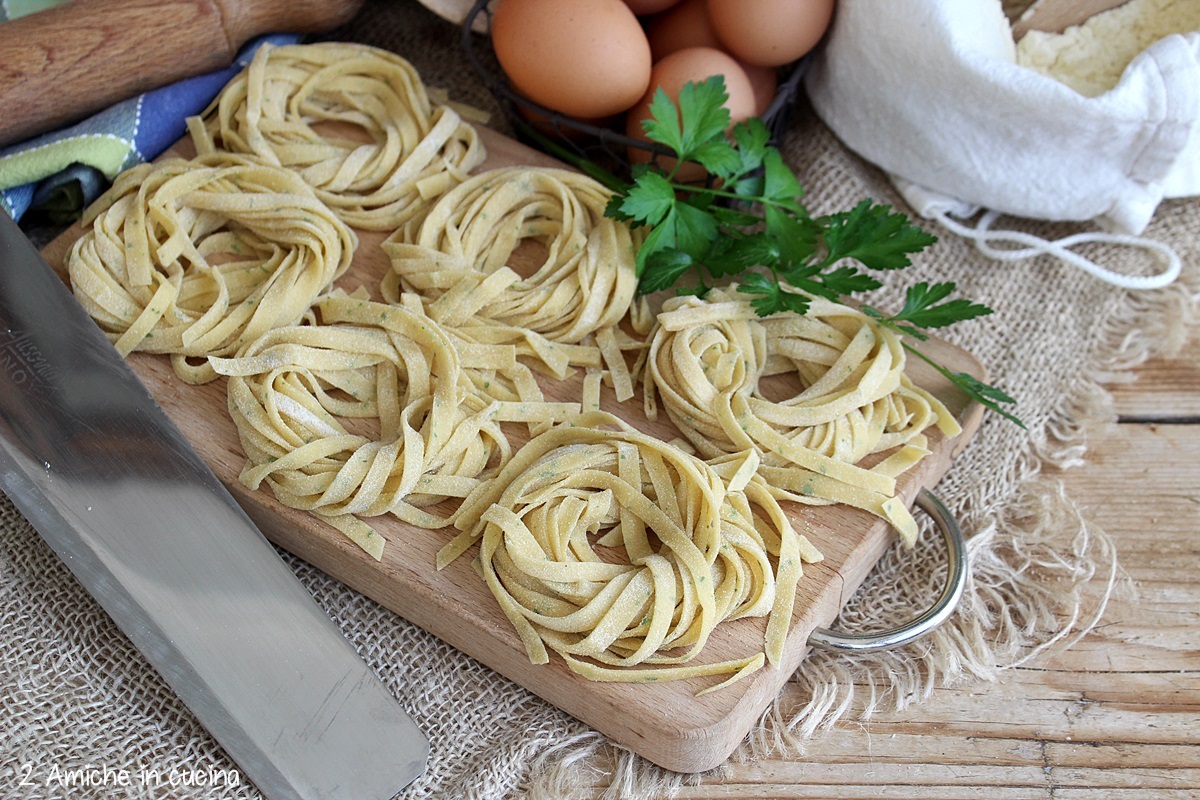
{"x":935,"y":615}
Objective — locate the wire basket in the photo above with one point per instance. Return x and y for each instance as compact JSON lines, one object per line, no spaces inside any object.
{"x":574,"y":140}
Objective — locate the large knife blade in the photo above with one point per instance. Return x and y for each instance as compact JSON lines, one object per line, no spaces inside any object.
{"x":116,"y":490}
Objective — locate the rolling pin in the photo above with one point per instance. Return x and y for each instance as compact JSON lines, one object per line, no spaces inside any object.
{"x":63,"y":64}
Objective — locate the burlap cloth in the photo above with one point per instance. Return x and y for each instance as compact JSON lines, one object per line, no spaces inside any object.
{"x":74,"y":691}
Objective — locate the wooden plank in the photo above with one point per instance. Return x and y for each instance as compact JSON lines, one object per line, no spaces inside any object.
{"x":1162,"y":389}
{"x":665,"y":722}
{"x":973,"y":762}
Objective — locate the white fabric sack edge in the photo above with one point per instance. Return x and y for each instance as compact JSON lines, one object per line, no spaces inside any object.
{"x":930,"y":91}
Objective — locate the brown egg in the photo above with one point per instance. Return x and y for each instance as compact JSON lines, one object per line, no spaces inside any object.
{"x":584,"y":58}
{"x":764,"y":81}
{"x":683,"y":25}
{"x":769,"y":32}
{"x":692,"y":64}
{"x":644,"y":7}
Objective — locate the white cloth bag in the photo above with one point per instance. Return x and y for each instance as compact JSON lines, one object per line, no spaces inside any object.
{"x":930,"y":91}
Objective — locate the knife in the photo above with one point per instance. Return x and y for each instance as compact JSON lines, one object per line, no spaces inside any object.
{"x":116,"y":490}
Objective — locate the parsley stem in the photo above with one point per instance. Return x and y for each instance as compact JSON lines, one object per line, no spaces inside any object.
{"x":749,"y":199}
{"x":982,"y":393}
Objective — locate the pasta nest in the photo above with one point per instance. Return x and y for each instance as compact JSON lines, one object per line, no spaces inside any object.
{"x":845,"y":397}
{"x":462,"y":261}
{"x":309,"y":107}
{"x":423,"y":434}
{"x":197,"y":257}
{"x":622,"y":553}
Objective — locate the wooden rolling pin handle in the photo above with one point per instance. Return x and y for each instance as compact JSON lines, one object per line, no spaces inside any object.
{"x":60,"y":65}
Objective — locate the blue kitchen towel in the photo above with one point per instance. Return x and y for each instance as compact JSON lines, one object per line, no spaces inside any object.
{"x":65,"y":170}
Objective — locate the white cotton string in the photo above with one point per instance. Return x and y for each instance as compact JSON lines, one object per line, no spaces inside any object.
{"x":983,"y":236}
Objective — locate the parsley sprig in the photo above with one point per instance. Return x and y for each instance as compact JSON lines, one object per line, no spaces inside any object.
{"x":747,"y":222}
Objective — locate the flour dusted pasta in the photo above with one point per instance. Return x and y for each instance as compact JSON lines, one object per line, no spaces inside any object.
{"x":622,"y":553}
{"x":355,"y":122}
{"x":845,"y":397}
{"x":568,"y":311}
{"x":197,"y":257}
{"x":296,"y":393}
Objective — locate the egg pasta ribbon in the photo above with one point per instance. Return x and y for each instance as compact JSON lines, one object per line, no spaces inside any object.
{"x":197,"y":257}
{"x":464,"y":260}
{"x":354,"y":121}
{"x":846,"y":397}
{"x":622,"y":553}
{"x":368,"y":411}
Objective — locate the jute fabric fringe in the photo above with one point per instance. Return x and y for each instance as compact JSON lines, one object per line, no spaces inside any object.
{"x":74,"y":691}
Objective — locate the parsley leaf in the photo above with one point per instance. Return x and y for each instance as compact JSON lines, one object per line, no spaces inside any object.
{"x":781,"y":188}
{"x":796,"y":236}
{"x":649,"y":201}
{"x":874,"y":235}
{"x":847,"y":280}
{"x":771,"y":297}
{"x":921,"y":306}
{"x":732,"y":255}
{"x":922,"y":309}
{"x":663,"y":268}
{"x":700,"y":117}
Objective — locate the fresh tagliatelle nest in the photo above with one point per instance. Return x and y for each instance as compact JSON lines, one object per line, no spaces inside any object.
{"x":433,"y":438}
{"x":622,"y":552}
{"x":848,"y":397}
{"x":195,"y":258}
{"x":355,"y":122}
{"x":568,"y":311}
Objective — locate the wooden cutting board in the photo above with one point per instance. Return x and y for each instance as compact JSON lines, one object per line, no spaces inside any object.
{"x":666,"y":723}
